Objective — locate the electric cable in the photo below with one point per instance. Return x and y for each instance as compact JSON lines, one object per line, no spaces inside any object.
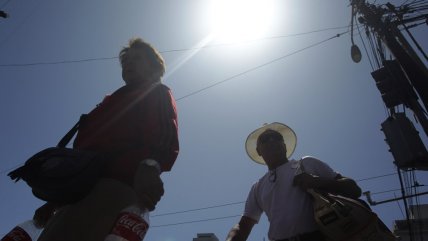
{"x":392,"y":190}
{"x":400,"y":19}
{"x":195,"y":221}
{"x":258,"y":39}
{"x":197,"y":209}
{"x":375,"y":177}
{"x":403,"y":193}
{"x":259,"y":66}
{"x":399,"y":206}
{"x":365,"y":48}
{"x":163,"y":52}
{"x":58,"y":62}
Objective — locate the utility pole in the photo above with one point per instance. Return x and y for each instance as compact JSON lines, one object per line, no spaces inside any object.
{"x":401,"y":81}
{"x":387,"y":30}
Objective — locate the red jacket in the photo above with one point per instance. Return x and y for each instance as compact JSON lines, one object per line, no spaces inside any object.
{"x":134,"y":123}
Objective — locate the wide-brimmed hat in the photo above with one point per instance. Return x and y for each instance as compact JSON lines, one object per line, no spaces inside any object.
{"x":290,"y":140}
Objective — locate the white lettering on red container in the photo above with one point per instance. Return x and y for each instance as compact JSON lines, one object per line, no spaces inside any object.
{"x":130,"y":226}
{"x":17,"y":234}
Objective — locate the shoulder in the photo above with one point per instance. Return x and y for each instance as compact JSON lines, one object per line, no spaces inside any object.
{"x":161,"y":91}
{"x":310,"y":160}
{"x":263,"y":179}
{"x":318,"y":167}
{"x":156,"y":92}
{"x":163,"y":87}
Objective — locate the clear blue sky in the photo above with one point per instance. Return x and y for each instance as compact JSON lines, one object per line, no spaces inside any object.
{"x":330,"y":102}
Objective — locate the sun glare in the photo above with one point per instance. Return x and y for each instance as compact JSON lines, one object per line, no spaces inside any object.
{"x":237,"y":20}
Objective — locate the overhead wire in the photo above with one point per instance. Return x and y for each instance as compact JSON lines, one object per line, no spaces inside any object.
{"x":400,"y":19}
{"x":196,"y":221}
{"x":259,"y":66}
{"x":165,"y":51}
{"x":365,"y":47}
{"x":399,"y":207}
{"x":417,"y":212}
{"x":197,"y":209}
{"x":392,"y":190}
{"x":408,"y":180}
{"x":257,"y":39}
{"x":58,"y":62}
{"x":375,"y":177}
{"x":370,"y":37}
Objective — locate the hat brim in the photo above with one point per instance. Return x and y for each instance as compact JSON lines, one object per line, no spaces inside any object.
{"x":290,"y":140}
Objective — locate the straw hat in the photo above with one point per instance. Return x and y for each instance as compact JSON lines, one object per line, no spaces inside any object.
{"x":287,"y":133}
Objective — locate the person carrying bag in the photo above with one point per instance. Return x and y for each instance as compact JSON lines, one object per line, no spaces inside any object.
{"x":135,"y":132}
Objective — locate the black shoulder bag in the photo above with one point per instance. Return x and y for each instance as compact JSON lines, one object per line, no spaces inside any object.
{"x":59,"y":174}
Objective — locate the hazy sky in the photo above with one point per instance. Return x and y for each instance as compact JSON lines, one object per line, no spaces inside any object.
{"x":295,"y":71}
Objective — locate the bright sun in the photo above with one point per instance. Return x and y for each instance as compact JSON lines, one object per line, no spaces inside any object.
{"x":237,"y":20}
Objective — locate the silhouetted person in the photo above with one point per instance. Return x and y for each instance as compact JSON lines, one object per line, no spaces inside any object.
{"x":280,"y":193}
{"x":136,"y":127}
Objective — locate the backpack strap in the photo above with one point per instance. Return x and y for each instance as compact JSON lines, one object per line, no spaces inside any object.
{"x":66,"y":139}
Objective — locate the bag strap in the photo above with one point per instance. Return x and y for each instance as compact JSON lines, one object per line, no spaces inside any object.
{"x":66,"y":139}
{"x":300,"y":167}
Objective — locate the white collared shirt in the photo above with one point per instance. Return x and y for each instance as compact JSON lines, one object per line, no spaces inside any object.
{"x":288,"y":208}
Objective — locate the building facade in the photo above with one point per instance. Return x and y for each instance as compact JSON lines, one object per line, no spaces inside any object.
{"x":205,"y":237}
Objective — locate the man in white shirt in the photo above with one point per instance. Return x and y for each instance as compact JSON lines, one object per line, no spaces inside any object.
{"x":280,"y":193}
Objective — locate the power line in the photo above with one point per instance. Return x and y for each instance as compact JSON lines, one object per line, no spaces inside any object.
{"x":392,"y":190}
{"x":260,"y":66}
{"x":369,"y":178}
{"x":196,"y":221}
{"x":258,"y":39}
{"x":58,"y":62}
{"x":198,"y":209}
{"x":166,"y":51}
